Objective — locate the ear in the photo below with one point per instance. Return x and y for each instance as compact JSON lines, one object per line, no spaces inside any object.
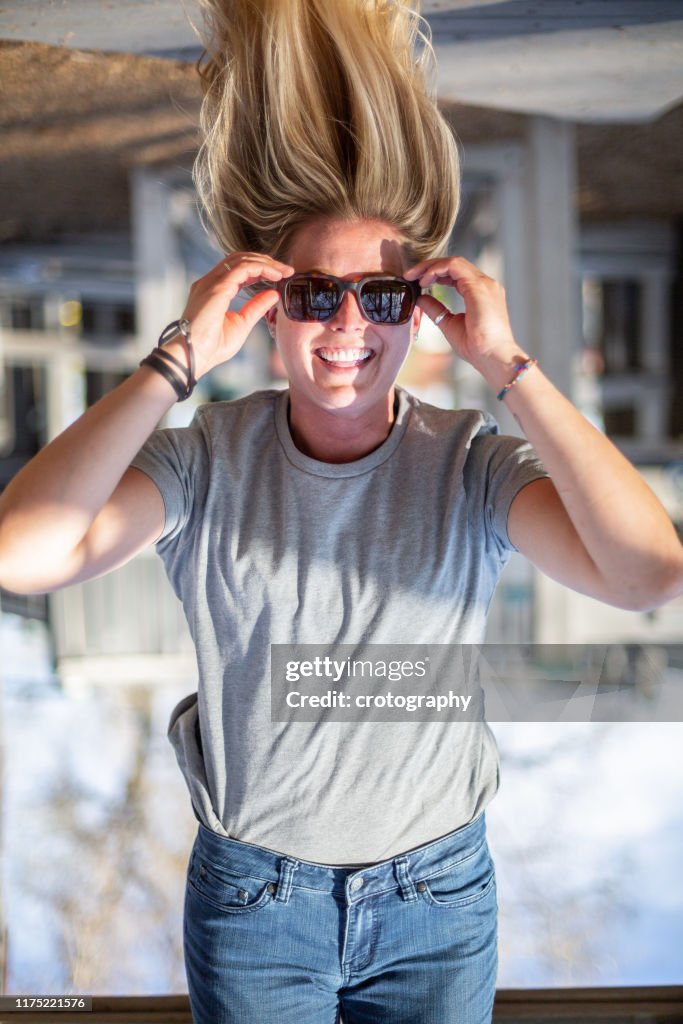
{"x":271,"y":320}
{"x":417,"y":319}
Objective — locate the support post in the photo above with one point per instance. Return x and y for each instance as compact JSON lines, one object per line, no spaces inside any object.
{"x":554,"y":299}
{"x":160,"y":278}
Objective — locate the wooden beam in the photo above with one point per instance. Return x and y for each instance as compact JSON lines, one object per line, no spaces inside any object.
{"x":657,"y":1004}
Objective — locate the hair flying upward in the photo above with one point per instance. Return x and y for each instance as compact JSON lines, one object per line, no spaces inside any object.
{"x":321,"y":108}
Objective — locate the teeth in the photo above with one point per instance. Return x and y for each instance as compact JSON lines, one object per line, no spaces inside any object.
{"x":349,"y":355}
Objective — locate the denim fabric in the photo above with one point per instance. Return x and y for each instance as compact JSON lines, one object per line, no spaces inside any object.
{"x":270,"y":939}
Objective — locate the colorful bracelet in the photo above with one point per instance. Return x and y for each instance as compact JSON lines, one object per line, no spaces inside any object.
{"x":160,"y":359}
{"x":520,"y":370}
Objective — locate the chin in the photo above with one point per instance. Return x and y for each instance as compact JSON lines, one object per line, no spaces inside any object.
{"x":342,"y":396}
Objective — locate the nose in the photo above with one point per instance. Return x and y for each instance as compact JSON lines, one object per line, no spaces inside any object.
{"x":348,"y":318}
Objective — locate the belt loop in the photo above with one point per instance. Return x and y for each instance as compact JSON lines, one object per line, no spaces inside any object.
{"x":284,"y":885}
{"x":404,"y":880}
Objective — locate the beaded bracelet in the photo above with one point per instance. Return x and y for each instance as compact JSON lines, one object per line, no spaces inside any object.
{"x":520,"y":370}
{"x":159,"y":359}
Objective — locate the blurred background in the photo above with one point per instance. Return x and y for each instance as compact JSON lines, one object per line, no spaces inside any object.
{"x":570,"y":117}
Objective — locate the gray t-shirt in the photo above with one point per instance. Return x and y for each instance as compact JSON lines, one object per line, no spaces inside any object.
{"x":265,"y":545}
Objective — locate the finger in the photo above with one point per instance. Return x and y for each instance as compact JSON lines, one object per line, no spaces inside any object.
{"x":244,"y":275}
{"x":417,"y":270}
{"x":235,"y":260}
{"x":451,"y":324}
{"x":252,"y":273}
{"x":454,"y":276}
{"x":213,"y":297}
{"x":255,"y":308}
{"x":434,"y":309}
{"x":443,"y":270}
{"x":428,"y":266}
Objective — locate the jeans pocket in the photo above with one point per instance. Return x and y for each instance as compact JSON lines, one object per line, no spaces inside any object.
{"x":229,"y":891}
{"x":461,"y":883}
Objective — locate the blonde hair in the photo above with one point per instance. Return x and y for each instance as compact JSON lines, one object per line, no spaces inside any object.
{"x":317,"y":108}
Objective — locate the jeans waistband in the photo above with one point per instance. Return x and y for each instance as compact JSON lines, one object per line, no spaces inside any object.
{"x":354,"y":883}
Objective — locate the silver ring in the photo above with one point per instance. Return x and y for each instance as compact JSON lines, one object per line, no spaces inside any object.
{"x":440,"y":317}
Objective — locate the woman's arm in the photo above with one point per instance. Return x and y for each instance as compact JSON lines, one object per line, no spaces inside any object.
{"x":76,"y":510}
{"x":595,"y":525}
{"x":47,"y":512}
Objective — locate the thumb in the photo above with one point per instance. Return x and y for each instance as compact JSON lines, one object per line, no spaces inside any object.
{"x":257,"y":307}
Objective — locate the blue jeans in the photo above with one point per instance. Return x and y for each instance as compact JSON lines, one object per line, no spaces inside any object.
{"x":270,"y":939}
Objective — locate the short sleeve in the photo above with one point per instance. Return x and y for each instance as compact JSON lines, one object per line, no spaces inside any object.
{"x":506,"y":464}
{"x":177,"y":460}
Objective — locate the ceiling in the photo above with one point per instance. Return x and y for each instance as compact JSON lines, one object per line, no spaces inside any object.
{"x":586,"y":60}
{"x":74,"y":118}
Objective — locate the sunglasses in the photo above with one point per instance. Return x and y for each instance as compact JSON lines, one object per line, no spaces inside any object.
{"x":381,"y":298}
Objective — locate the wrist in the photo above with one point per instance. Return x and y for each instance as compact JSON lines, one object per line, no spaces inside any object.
{"x":157,"y":387}
{"x":519,"y":372}
{"x":178,"y":372}
{"x":499,"y":368}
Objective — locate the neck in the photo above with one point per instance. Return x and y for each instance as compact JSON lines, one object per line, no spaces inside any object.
{"x":337,"y":435}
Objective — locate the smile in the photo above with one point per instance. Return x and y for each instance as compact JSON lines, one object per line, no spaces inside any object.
{"x":345,"y":358}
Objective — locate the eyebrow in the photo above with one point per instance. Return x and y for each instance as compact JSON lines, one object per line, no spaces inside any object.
{"x":358,"y":273}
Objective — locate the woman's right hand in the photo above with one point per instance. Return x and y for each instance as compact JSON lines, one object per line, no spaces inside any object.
{"x":218,"y":332}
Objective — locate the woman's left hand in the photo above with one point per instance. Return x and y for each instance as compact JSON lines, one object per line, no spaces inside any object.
{"x":482,"y":333}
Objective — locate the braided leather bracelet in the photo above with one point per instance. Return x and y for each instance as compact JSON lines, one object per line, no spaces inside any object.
{"x":160,"y":360}
{"x":155,"y":360}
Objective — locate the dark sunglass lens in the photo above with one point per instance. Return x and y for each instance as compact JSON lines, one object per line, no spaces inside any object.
{"x":387,"y":302}
{"x":311,"y":298}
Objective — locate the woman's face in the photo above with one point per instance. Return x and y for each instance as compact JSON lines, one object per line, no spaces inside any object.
{"x":345,"y":363}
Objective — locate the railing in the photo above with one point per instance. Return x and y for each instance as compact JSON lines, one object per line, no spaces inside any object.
{"x":642,"y":1004}
{"x":128,"y":623}
{"x":660,"y":1004}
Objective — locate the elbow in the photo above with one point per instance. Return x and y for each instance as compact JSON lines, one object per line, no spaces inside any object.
{"x":6,"y":581}
{"x":9,"y":580}
{"x":671,"y":582}
{"x":18,"y":578}
{"x":15,"y":574}
{"x":5,"y":572}
{"x":664,"y":587}
{"x":16,"y":584}
{"x":27,"y":565}
{"x":669,"y":590}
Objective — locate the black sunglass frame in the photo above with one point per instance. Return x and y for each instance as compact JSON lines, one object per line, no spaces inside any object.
{"x":342,"y":288}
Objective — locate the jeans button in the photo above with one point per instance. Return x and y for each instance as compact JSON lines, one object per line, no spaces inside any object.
{"x":357,"y":884}
{"x":421,"y":886}
{"x":271,"y":887}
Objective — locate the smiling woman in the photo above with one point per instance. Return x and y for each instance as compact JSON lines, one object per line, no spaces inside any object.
{"x":338,"y":866}
{"x":342,"y":369}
